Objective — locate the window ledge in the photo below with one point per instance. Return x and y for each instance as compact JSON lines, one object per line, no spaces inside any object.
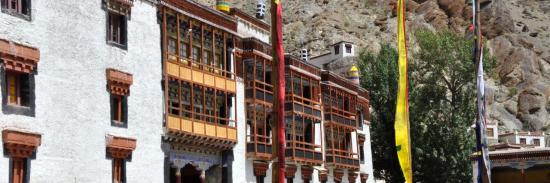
{"x":118,"y":124}
{"x":18,"y":110}
{"x":115,"y":44}
{"x":16,"y":14}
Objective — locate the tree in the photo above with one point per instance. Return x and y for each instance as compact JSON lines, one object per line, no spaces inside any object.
{"x":379,"y":75}
{"x":441,"y":106}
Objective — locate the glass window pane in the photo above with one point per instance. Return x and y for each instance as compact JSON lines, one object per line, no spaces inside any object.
{"x":198,"y":97}
{"x":209,"y":104}
{"x":173,"y":95}
{"x":186,"y":99}
{"x":259,"y":70}
{"x":297,"y":86}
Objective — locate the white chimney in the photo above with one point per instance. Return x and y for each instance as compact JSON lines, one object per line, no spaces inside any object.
{"x":260,"y":9}
{"x":304,"y":55}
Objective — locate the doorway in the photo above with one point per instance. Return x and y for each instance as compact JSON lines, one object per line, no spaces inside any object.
{"x":190,"y":174}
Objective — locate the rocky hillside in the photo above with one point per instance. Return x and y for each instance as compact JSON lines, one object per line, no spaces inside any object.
{"x":517,"y":32}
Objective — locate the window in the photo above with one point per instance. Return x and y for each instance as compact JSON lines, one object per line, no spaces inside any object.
{"x":19,"y":170}
{"x":348,"y":48}
{"x":336,"y":49}
{"x":219,"y":54}
{"x":208,"y":46}
{"x":119,"y":170}
{"x":174,"y":97}
{"x":297,"y":86}
{"x":209,"y":104}
{"x":116,"y":30}
{"x":184,"y":37}
{"x":222,"y":111}
{"x":249,"y":71}
{"x":18,"y":89}
{"x":490,"y":132}
{"x":186,"y":100}
{"x":523,"y":141}
{"x":17,"y":6}
{"x":119,"y":107}
{"x":536,"y":142}
{"x":197,"y":43}
{"x":306,"y":88}
{"x":260,"y":71}
{"x":268,"y":71}
{"x":361,"y":153}
{"x":198,"y":97}
{"x":119,"y":149}
{"x":229,"y":48}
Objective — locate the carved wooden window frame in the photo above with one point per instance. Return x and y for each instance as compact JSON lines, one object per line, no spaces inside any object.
{"x":198,"y":94}
{"x":19,"y":63}
{"x":119,"y":149}
{"x":21,"y":8}
{"x":20,"y":146}
{"x":117,"y":29}
{"x":118,"y":86}
{"x":194,"y":40}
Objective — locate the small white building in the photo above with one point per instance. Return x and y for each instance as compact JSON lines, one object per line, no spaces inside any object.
{"x":532,"y":139}
{"x":339,"y":50}
{"x":492,"y":132}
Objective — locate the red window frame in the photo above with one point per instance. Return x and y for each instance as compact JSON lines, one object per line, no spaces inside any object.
{"x":18,"y":170}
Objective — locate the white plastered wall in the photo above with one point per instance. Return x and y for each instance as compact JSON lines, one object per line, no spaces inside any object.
{"x":72,"y":104}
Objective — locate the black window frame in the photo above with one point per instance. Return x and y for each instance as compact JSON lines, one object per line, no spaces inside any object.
{"x":7,"y":107}
{"x":348,"y":48}
{"x":122,"y":38}
{"x":23,"y":12}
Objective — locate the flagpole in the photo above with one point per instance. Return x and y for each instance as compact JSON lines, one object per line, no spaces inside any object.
{"x":477,"y":57}
{"x":278,"y":171}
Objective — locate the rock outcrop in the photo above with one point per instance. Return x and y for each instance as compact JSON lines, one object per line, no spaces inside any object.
{"x":517,"y":33}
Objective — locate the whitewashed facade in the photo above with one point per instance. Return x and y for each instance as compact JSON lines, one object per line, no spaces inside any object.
{"x":70,"y":106}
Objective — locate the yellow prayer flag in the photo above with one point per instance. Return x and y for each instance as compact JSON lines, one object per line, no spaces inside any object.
{"x":402,"y":136}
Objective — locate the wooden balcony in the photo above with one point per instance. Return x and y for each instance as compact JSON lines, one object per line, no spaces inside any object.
{"x":202,"y":75}
{"x":250,"y":44}
{"x":302,"y":106}
{"x":342,"y":159}
{"x":200,"y":133}
{"x":303,"y":66}
{"x":339,"y":80}
{"x":335,"y":118}
{"x":304,"y":153}
{"x":259,"y":147}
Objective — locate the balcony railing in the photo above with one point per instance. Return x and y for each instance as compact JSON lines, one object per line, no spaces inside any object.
{"x":342,"y":158}
{"x":255,"y":44}
{"x":303,"y":109}
{"x":202,"y":133}
{"x":289,"y":60}
{"x":214,"y":79}
{"x":197,"y":64}
{"x":304,"y":152}
{"x":259,"y":146}
{"x":259,"y":94}
{"x":334,"y":118}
